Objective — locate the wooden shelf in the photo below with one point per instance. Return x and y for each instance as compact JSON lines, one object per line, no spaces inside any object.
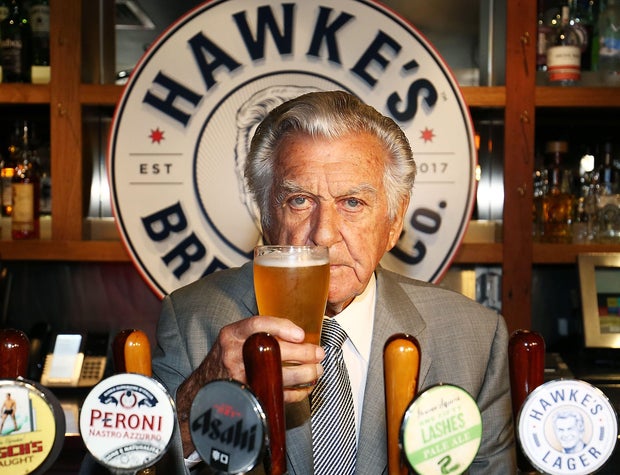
{"x":494,"y":96}
{"x":48,"y":250}
{"x":567,"y":253}
{"x":479,"y":253}
{"x":577,"y":96}
{"x":105,"y":95}
{"x":24,"y":94}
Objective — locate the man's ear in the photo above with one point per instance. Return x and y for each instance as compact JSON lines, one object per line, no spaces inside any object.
{"x":396,"y":226}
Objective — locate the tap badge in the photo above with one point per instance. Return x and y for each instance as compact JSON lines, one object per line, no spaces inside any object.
{"x":127,"y":421}
{"x":228,"y":426}
{"x":567,"y":426}
{"x":441,"y":431}
{"x":32,"y":428}
{"x":181,"y":131}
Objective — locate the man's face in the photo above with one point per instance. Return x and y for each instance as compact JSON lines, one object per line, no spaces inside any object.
{"x":331,"y":193}
{"x":568,"y":432}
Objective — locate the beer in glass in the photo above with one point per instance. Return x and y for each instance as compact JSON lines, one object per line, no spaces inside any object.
{"x":293,"y":282}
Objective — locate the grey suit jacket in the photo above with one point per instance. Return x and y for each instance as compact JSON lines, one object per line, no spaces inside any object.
{"x":462,"y":343}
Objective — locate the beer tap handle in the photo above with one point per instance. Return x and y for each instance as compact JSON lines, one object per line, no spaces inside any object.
{"x":14,"y":353}
{"x":263,"y":366}
{"x":526,"y":354}
{"x":132,"y":352}
{"x":401,"y":365}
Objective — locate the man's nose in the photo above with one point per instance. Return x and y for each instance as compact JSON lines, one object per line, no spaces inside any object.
{"x":325,"y":230}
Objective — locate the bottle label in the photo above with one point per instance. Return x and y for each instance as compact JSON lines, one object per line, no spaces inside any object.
{"x":564,"y":63}
{"x":609,"y":46}
{"x":10,"y":56}
{"x":23,"y":205}
{"x":40,"y":19}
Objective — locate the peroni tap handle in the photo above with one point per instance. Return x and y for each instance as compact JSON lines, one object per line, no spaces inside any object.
{"x":132,"y":352}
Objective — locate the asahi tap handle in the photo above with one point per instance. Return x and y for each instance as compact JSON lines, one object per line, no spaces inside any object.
{"x":401,"y":365}
{"x":263,"y":367}
{"x":526,"y":355}
{"x":14,"y":353}
{"x":132,"y":352}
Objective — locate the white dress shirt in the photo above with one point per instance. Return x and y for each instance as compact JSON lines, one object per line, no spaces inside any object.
{"x":357,"y":320}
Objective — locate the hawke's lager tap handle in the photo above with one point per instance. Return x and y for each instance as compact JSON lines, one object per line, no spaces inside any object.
{"x":14,"y":353}
{"x":132,"y":352}
{"x":263,"y":366}
{"x":401,"y":365}
{"x":526,"y":355}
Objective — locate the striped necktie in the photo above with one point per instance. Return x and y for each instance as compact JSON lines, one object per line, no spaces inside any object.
{"x":333,"y":424}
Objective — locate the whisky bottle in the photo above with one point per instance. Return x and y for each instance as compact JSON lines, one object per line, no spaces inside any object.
{"x":15,"y":44}
{"x":7,"y":170}
{"x":558,"y":203}
{"x":564,"y":53}
{"x":26,"y":187}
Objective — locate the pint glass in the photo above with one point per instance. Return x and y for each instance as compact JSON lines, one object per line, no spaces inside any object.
{"x":293,"y":282}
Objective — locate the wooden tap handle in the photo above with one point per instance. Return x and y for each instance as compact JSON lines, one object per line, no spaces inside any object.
{"x":526,"y":356}
{"x":14,"y":353}
{"x":401,"y":366}
{"x":263,"y":367}
{"x":132,"y":352}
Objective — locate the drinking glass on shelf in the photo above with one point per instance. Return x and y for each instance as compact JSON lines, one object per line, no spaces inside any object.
{"x":293,"y":282}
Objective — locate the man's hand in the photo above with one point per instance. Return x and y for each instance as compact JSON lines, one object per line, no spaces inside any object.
{"x":225,"y":360}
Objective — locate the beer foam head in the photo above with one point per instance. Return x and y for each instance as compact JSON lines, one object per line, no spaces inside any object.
{"x":291,"y":256}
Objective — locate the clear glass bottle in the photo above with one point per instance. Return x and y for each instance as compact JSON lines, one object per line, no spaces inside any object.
{"x":609,"y":44}
{"x":558,"y":203}
{"x":564,"y":53}
{"x":582,"y":20}
{"x":542,"y":41}
{"x":26,"y":187}
{"x":608,"y":199}
{"x":15,"y":44}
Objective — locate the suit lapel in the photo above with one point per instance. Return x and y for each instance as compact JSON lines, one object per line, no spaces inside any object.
{"x":394,"y":313}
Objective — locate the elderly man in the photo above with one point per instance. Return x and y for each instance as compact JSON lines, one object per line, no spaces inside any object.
{"x":326,"y":169}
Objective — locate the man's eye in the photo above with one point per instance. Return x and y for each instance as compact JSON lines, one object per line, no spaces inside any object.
{"x":353,"y":203}
{"x":299,"y":201}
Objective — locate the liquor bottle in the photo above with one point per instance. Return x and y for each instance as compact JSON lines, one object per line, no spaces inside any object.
{"x":558,"y":203}
{"x":40,"y":24}
{"x":15,"y":44}
{"x":564,"y":53}
{"x":26,"y":190}
{"x":7,"y":170}
{"x":542,"y":38}
{"x":608,"y":199}
{"x":609,"y":43}
{"x":582,"y":20}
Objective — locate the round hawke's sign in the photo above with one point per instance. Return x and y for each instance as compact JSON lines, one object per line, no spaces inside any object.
{"x":182,"y":129}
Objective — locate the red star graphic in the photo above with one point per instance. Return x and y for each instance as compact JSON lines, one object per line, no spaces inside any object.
{"x":156,"y":135}
{"x":427,"y":134}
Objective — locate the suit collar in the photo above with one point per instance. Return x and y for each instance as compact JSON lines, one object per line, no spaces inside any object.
{"x":395,"y":313}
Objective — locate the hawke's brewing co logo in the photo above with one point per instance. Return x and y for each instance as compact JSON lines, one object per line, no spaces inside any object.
{"x":181,"y":131}
{"x":567,"y":427}
{"x":127,"y":421}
